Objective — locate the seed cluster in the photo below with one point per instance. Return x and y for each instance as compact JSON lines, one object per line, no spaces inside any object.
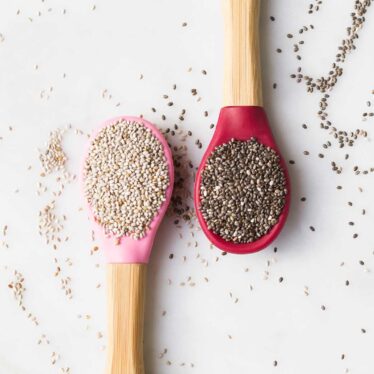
{"x":53,"y":157}
{"x":126,"y":177}
{"x":324,"y":86}
{"x":242,"y":191}
{"x":327,"y":83}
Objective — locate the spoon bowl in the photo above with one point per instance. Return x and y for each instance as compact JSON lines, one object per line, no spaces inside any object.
{"x":126,"y":249}
{"x":241,"y":123}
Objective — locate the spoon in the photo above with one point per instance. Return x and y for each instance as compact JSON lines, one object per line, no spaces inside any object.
{"x":243,"y":115}
{"x":127,"y":260}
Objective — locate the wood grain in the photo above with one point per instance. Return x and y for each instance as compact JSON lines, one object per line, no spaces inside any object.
{"x":126,"y":293}
{"x":242,"y":83}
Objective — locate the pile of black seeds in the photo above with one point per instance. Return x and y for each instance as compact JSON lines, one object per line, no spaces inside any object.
{"x":243,"y":190}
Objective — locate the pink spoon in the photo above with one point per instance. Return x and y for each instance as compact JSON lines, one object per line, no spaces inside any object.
{"x":243,"y":117}
{"x":126,"y":264}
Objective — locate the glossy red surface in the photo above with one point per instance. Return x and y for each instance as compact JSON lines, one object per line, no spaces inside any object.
{"x":241,"y":123}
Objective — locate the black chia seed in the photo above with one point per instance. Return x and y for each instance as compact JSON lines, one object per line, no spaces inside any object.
{"x":243,"y":190}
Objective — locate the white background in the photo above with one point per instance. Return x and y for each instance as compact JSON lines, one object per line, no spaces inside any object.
{"x":107,"y":48}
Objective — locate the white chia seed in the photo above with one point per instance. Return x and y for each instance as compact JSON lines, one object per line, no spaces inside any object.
{"x":126,"y":177}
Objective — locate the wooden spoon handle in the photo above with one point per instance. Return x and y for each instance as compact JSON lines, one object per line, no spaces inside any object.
{"x":126,"y":291}
{"x":242,"y":84}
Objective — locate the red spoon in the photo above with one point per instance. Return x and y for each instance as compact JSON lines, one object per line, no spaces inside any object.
{"x":243,"y":117}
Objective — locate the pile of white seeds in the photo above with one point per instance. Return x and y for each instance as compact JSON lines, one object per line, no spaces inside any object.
{"x":242,"y":191}
{"x":126,"y":176}
{"x":53,"y":158}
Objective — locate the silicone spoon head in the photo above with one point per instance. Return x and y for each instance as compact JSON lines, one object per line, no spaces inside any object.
{"x":126,"y":250}
{"x":242,"y":123}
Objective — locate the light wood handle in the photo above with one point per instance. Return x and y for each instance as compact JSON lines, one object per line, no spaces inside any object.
{"x":126,"y":291}
{"x":242,"y":83}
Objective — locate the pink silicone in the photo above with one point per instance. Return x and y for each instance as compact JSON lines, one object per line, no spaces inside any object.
{"x":241,"y":123}
{"x":132,"y":251}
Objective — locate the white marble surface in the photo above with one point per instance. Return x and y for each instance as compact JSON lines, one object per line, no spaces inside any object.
{"x":107,"y":48}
